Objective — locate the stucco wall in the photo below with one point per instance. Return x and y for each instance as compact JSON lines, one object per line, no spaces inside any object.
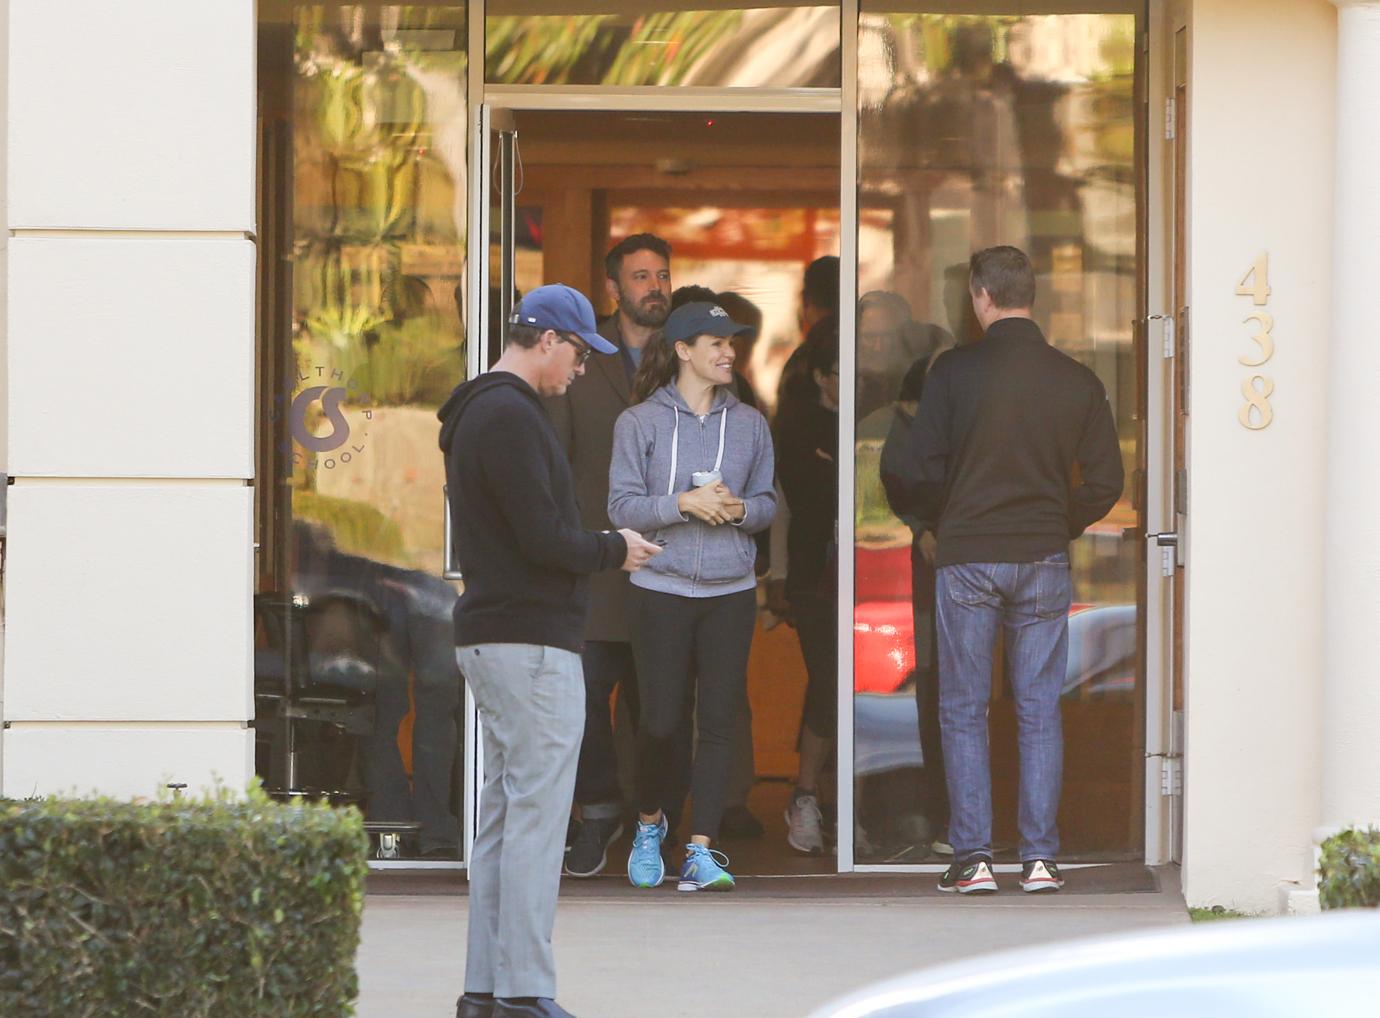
{"x":1261,"y":180}
{"x":130,"y":407}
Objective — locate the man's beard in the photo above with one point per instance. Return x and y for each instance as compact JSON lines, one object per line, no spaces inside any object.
{"x":650,"y":314}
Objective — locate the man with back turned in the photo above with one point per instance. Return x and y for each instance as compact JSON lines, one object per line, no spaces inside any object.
{"x":1015,"y":454}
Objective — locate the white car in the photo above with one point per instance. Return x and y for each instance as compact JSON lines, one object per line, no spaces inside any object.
{"x":1248,"y":968}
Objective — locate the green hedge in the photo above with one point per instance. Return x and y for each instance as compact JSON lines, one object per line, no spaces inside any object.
{"x":223,"y":906}
{"x":1349,"y":870}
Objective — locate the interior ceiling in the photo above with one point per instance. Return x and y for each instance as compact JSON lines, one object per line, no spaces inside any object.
{"x":754,"y":139}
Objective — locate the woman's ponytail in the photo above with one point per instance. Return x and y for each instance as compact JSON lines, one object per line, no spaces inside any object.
{"x":659,"y":367}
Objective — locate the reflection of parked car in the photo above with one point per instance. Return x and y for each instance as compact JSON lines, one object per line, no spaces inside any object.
{"x":1249,"y":968}
{"x":1102,"y":659}
{"x":1102,"y":663}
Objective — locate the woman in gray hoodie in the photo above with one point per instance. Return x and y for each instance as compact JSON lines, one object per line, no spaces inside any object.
{"x":693,"y":470}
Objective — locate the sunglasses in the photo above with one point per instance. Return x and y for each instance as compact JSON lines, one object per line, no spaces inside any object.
{"x":582,"y":349}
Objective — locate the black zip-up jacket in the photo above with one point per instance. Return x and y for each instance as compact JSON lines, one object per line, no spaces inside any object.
{"x":804,"y":430}
{"x":515,"y":524}
{"x":1001,"y":425}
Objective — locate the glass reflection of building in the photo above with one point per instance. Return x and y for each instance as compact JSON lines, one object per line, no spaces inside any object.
{"x":974,"y":131}
{"x":364,"y":150}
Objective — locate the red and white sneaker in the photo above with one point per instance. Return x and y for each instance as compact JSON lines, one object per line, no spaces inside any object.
{"x":1040,"y":875}
{"x":971,"y":876}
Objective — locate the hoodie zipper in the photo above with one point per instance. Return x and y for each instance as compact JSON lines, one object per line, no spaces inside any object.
{"x":699,"y":531}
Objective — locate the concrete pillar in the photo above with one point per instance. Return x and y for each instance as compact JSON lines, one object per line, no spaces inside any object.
{"x":129,"y":400}
{"x":1351,"y":602}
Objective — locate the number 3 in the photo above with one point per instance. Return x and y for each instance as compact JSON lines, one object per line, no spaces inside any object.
{"x":1262,"y":338}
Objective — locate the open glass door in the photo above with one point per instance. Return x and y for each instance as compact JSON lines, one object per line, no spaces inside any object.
{"x":747,"y":199}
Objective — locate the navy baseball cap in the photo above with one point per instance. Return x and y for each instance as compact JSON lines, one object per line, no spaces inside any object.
{"x":563,"y":309}
{"x":700,"y":318}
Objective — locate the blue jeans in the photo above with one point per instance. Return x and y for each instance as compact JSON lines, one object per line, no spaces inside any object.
{"x":1030,"y":602}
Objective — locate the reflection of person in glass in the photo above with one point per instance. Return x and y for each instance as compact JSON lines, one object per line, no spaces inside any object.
{"x":519,"y":627}
{"x":896,"y":453}
{"x":1001,"y":426}
{"x":385,"y":631}
{"x":889,"y":341}
{"x":638,"y":271}
{"x":807,"y":458}
{"x":692,"y":465}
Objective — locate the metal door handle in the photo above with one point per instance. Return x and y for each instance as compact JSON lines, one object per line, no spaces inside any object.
{"x":1170,"y":540}
{"x":449,"y":570}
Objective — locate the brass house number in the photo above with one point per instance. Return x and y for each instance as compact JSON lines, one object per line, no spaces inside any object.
{"x":1256,"y":389}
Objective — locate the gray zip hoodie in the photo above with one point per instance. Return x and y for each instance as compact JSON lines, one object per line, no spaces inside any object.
{"x":657,"y":445}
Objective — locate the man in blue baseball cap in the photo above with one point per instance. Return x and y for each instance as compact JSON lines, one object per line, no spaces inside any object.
{"x":519,"y":631}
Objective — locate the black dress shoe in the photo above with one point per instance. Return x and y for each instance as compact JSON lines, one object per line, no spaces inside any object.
{"x":474,"y":1005}
{"x":530,"y":1007}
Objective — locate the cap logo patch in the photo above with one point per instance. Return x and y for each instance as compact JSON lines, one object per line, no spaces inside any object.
{"x":718,"y":312}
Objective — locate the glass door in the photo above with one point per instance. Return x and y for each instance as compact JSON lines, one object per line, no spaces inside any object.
{"x":362,"y":211}
{"x":977,"y":130}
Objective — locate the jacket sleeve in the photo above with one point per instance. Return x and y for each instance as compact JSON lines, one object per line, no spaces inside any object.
{"x":1101,"y":476}
{"x":515,"y":463}
{"x":759,"y":498}
{"x":631,"y":504}
{"x":918,"y":481}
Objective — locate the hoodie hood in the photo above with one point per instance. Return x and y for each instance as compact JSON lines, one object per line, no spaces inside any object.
{"x":464,"y":394}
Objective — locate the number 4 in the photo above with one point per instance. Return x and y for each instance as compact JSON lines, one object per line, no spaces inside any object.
{"x":1259,"y":291}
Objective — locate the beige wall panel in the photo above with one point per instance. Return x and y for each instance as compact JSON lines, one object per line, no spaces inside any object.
{"x":1261,"y":171}
{"x":129,"y":602}
{"x":131,"y":358}
{"x":137,"y":114}
{"x":124,"y":762}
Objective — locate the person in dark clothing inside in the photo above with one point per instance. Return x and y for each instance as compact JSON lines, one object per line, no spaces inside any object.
{"x":807,"y":467}
{"x":895,"y":454}
{"x":1002,"y":424}
{"x":519,"y":629}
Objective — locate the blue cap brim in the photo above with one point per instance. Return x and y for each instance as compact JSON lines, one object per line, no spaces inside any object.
{"x":598,"y":342}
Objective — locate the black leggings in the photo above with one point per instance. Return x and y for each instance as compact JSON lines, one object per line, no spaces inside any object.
{"x":817,"y":628}
{"x":676,"y":641}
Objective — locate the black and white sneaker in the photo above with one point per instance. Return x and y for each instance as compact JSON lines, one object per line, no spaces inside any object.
{"x":1040,"y":875}
{"x":589,"y":853}
{"x":971,"y":876}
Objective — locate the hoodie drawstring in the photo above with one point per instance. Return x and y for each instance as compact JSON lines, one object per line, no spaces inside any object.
{"x":675,"y":449}
{"x":675,"y":445}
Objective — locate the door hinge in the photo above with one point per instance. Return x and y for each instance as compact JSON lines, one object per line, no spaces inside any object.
{"x":1167,"y":334}
{"x":1171,"y":123}
{"x":1171,"y":776}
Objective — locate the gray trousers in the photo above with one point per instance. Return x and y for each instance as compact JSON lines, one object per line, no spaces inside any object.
{"x":532,"y":712}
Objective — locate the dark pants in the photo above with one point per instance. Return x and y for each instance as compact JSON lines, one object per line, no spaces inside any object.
{"x":685,"y":644}
{"x":817,"y":628}
{"x":607,"y":666}
{"x":934,"y":789}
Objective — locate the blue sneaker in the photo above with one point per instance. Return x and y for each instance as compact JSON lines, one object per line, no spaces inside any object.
{"x":646,"y":868}
{"x":703,"y":870}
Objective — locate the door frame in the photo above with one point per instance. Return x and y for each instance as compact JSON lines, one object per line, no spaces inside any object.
{"x":486,"y":104}
{"x":1159,"y":18}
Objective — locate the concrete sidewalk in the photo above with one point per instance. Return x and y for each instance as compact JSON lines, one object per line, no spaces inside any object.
{"x":714,"y":955}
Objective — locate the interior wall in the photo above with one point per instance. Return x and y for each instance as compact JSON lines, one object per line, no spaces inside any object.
{"x":1262,"y":90}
